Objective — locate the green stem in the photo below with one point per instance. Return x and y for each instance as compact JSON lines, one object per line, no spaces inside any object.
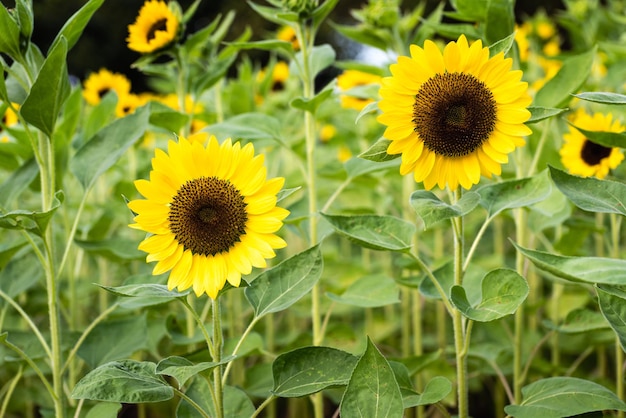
{"x":33,"y":365}
{"x":262,"y":406}
{"x":616,"y":223}
{"x":238,"y":346}
{"x":196,"y":317}
{"x":217,"y":357}
{"x":10,"y":390}
{"x":192,"y":403}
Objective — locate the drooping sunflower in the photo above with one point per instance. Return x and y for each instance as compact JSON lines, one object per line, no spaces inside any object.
{"x":350,"y":81}
{"x":156,"y":27}
{"x":453,"y":115}
{"x":585,"y":158}
{"x":100,"y":83}
{"x":211,"y":213}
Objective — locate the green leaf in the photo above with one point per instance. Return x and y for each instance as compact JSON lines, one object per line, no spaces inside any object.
{"x":372,"y":390}
{"x":322,"y":11}
{"x":378,"y":152}
{"x":167,"y":118}
{"x":309,"y":370}
{"x":126,"y":381}
{"x":432,"y":209}
{"x":445,"y":277}
{"x":578,"y":269}
{"x":503,"y":291}
{"x":280,"y":287}
{"x":47,"y":95}
{"x":557,"y":91}
{"x":236,"y":402}
{"x":182,"y":369}
{"x":107,"y":146}
{"x":251,"y":126}
{"x":18,"y":274}
{"x":10,"y":39}
{"x":33,"y":222}
{"x":17,"y":182}
{"x":369,"y":291}
{"x":25,"y":18}
{"x":416,"y":364}
{"x":75,"y":25}
{"x":356,"y":167}
{"x":377,"y":38}
{"x":311,"y":105}
{"x":612,"y":301}
{"x":265,"y":45}
{"x":503,"y":45}
{"x":500,"y":20}
{"x":370,"y":107}
{"x":146,"y":290}
{"x":270,"y":13}
{"x":436,"y":390}
{"x":114,"y":340}
{"x":591,"y":194}
{"x":541,"y":113}
{"x":116,"y":249}
{"x":3,"y":87}
{"x":557,"y":397}
{"x":607,"y":139}
{"x":603,"y":97}
{"x":511,"y":194}
{"x":374,"y":231}
{"x":321,"y":57}
{"x":578,"y":321}
{"x":104,"y":410}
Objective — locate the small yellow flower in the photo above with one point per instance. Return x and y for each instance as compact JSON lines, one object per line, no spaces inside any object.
{"x":9,"y":118}
{"x":327,"y":132}
{"x":211,"y":214}
{"x":552,"y":48}
{"x":350,"y":79}
{"x":453,"y":115}
{"x":344,"y":153}
{"x":585,"y":158}
{"x":155,"y":28}
{"x":545,"y":29}
{"x":287,"y":33}
{"x":100,"y":83}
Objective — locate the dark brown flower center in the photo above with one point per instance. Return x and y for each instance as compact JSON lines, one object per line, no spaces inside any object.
{"x":593,"y":153}
{"x":102,"y":92}
{"x":208,"y":215}
{"x":454,"y":114}
{"x":160,"y":24}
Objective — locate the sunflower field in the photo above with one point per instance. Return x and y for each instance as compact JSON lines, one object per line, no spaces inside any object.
{"x":431,"y":228}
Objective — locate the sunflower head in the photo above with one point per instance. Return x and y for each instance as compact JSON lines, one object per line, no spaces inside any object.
{"x":98,"y":84}
{"x":453,"y":115}
{"x":287,"y":33}
{"x":211,"y":214}
{"x":156,"y":27}
{"x":9,"y":118}
{"x":354,"y":79}
{"x":584,"y":157}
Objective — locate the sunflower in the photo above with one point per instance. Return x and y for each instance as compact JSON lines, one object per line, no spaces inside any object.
{"x":453,"y":116}
{"x":100,"y":83}
{"x":156,"y":27}
{"x":353,"y":79}
{"x":287,"y":33}
{"x":127,"y":104}
{"x":585,"y":158}
{"x":211,"y":214}
{"x":9,"y":118}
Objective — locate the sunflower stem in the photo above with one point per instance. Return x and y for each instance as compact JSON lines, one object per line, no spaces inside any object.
{"x":616,"y":223}
{"x":518,"y":377}
{"x":217,"y":357}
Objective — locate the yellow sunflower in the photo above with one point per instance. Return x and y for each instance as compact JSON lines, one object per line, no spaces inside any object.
{"x":453,"y":115}
{"x":156,"y":27}
{"x":211,"y":213}
{"x":287,"y":33}
{"x":585,"y":158}
{"x":127,"y":104}
{"x":100,"y":83}
{"x":350,"y":79}
{"x":9,"y":118}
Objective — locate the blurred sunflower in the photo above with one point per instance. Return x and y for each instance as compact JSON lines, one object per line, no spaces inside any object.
{"x":453,"y":115}
{"x":211,"y":213}
{"x":100,"y":83}
{"x":9,"y":118}
{"x":287,"y":33}
{"x":127,"y":104}
{"x":585,"y":158}
{"x":192,"y":108}
{"x":353,"y":79}
{"x":156,"y":27}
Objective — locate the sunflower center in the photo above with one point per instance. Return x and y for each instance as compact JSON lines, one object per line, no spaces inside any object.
{"x":454,"y":114}
{"x":593,"y":153}
{"x":208,"y":216}
{"x":102,"y":92}
{"x":160,"y":24}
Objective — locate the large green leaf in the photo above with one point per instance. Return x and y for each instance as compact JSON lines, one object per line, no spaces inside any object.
{"x":280,"y":287}
{"x":604,"y":138}
{"x":249,"y":126}
{"x":10,"y":39}
{"x":612,"y":301}
{"x":107,"y":146}
{"x":557,"y":397}
{"x":557,"y":91}
{"x":182,"y":369}
{"x":512,"y":194}
{"x":115,"y":249}
{"x":378,"y":152}
{"x":432,"y":209}
{"x":579,"y":320}
{"x":320,"y":58}
{"x":500,"y":20}
{"x":145,"y":294}
{"x":308,"y":370}
{"x":503,"y":291}
{"x":114,"y":340}
{"x":541,"y":113}
{"x":31,"y":221}
{"x":369,"y":292}
{"x":603,"y":97}
{"x":436,"y":390}
{"x":374,"y":231}
{"x":17,"y":182}
{"x":47,"y":95}
{"x":126,"y":381}
{"x":372,"y":391}
{"x":74,"y":26}
{"x":578,"y":269}
{"x":591,"y":194}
